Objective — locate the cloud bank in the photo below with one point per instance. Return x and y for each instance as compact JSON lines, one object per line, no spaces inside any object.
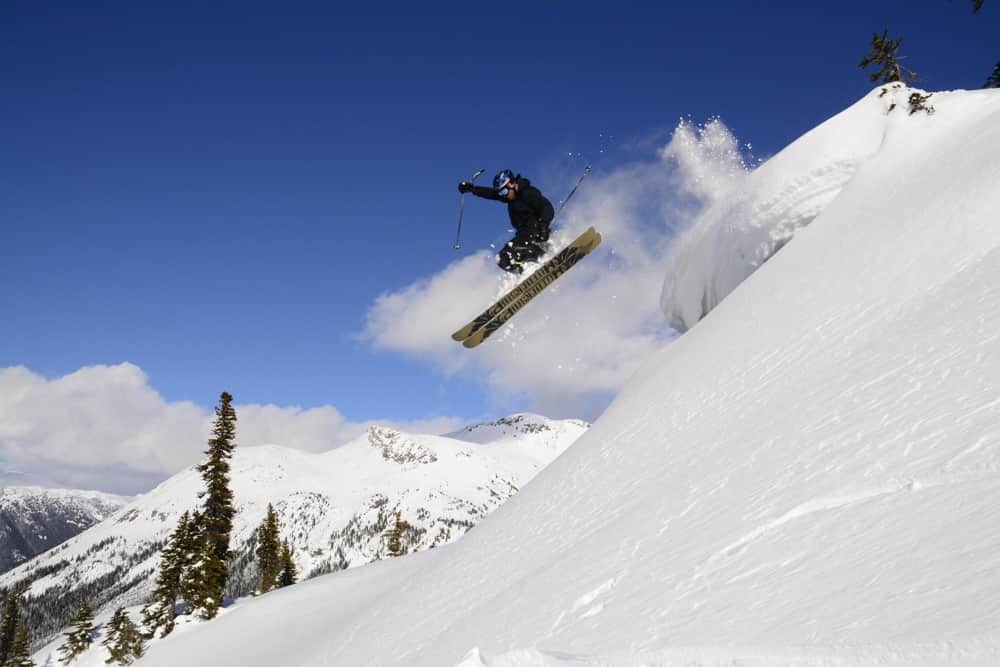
{"x":106,"y":428}
{"x":580,"y":341}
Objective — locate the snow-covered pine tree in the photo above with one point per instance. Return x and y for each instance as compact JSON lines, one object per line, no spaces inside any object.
{"x":81,"y":634}
{"x":289,"y":573}
{"x":202,"y":585}
{"x":123,"y":640}
{"x":218,"y":513}
{"x":883,"y":53}
{"x":8,"y":626}
{"x":160,"y":611}
{"x":268,"y":551}
{"x":20,"y":655}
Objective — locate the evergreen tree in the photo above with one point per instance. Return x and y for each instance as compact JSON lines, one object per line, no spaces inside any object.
{"x":395,"y":535}
{"x":289,"y":573}
{"x":883,"y":54}
{"x":20,"y":655}
{"x":203,"y":584}
{"x":123,"y":641}
{"x":994,"y":80}
{"x":8,"y":626}
{"x":159,"y":613}
{"x":218,"y":513}
{"x":269,"y":551}
{"x":81,"y":634}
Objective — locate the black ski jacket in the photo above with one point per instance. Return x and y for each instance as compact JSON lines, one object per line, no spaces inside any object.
{"x":529,"y":212}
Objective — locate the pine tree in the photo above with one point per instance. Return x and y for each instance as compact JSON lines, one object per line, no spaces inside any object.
{"x":289,"y":573}
{"x":160,"y":612}
{"x":269,"y":551}
{"x":203,"y":584}
{"x":8,"y":626}
{"x":883,"y":53}
{"x":81,"y":634}
{"x":218,"y":513}
{"x":123,"y":641}
{"x":395,"y":535}
{"x":20,"y":655}
{"x":994,"y":80}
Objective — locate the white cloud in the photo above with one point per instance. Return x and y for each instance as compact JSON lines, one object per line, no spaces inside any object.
{"x":586,"y":335}
{"x":106,"y":428}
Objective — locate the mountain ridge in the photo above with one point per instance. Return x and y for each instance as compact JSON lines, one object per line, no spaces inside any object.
{"x":333,"y":507}
{"x":34,"y":519}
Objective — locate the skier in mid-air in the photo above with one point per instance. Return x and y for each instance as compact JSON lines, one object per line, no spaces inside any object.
{"x":530,"y":215}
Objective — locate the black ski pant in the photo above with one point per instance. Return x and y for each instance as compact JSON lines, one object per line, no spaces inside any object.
{"x":526,"y":246}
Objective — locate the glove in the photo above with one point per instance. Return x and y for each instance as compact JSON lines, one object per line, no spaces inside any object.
{"x":464,"y":187}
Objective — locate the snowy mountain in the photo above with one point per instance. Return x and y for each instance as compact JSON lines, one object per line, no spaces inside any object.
{"x":33,"y":519}
{"x":333,"y":508}
{"x":809,"y":476}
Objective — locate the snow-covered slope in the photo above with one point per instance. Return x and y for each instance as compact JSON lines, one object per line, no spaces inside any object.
{"x":809,"y":476}
{"x":33,"y":519}
{"x":333,"y":507}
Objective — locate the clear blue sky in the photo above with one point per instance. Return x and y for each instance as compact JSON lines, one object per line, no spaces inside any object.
{"x":216,"y":192}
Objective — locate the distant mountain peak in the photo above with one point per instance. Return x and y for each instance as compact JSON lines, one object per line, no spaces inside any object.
{"x":398,"y":448}
{"x":34,"y":519}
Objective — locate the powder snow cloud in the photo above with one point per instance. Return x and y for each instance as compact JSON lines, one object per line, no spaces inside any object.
{"x":579,"y":342}
{"x":107,"y":428}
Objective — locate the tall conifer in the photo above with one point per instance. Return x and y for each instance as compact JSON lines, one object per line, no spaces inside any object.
{"x":218,"y":513}
{"x":81,"y":634}
{"x":289,"y":573}
{"x":20,"y":655}
{"x":395,"y":535}
{"x":269,"y":551}
{"x":8,"y":625}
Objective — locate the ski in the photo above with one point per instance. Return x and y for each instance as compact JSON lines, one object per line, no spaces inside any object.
{"x":509,"y":297}
{"x":494,"y":317}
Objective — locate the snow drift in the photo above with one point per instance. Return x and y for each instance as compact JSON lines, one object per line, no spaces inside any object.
{"x":811,"y":476}
{"x":750,"y":215}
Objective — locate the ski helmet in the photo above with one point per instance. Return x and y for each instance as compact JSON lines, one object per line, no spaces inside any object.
{"x":502,"y":180}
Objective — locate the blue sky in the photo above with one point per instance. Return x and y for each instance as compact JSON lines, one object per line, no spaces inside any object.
{"x":218,"y":192}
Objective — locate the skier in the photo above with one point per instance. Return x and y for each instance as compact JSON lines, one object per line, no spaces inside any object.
{"x":530,"y":215}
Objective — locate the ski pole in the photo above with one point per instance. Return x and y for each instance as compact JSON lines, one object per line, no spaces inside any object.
{"x":461,"y":210}
{"x":586,"y":170}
